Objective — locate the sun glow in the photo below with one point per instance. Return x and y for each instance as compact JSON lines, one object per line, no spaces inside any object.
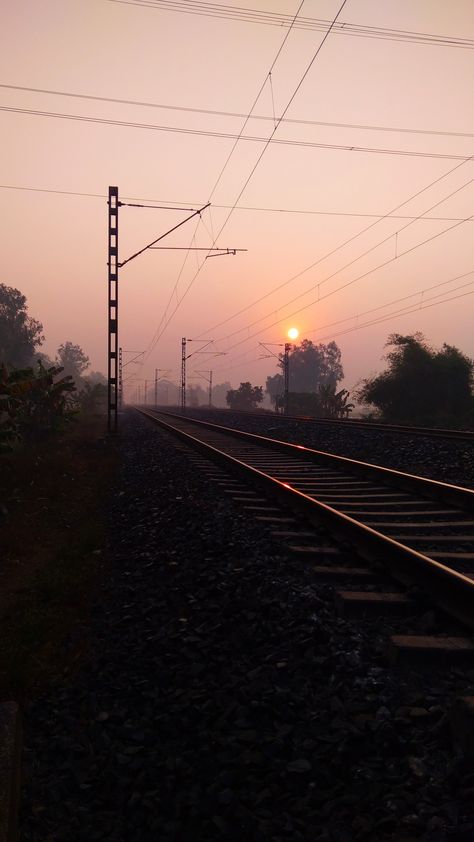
{"x":293,"y":333}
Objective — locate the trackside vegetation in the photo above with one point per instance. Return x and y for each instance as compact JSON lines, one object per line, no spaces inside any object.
{"x":55,"y":471}
{"x":421,"y":385}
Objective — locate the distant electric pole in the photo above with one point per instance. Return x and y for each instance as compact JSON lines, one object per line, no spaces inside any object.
{"x":286,"y":371}
{"x":209,"y":380}
{"x":183,"y":374}
{"x":120,"y":381}
{"x":185,"y":357}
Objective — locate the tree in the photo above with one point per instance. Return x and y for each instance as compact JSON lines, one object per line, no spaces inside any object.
{"x":311,"y":366}
{"x":219,"y":394}
{"x":421,"y":385}
{"x":334,"y":404}
{"x":245,"y":397}
{"x":20,"y":335}
{"x":73,"y":360}
{"x":275,"y":387}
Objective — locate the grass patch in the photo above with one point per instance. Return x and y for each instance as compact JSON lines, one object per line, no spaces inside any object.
{"x":52,"y":510}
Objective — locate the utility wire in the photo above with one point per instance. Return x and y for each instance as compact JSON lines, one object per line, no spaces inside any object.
{"x":232,"y":114}
{"x":292,"y":97}
{"x":402,"y":311}
{"x":158,"y":332}
{"x":254,"y":16}
{"x":247,"y":118}
{"x":415,"y":294}
{"x":340,"y":246}
{"x":239,"y":208}
{"x":308,"y":144}
{"x":355,"y":259}
{"x":345,"y":285}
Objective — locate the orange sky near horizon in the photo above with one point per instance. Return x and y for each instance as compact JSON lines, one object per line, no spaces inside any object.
{"x":343,"y":232}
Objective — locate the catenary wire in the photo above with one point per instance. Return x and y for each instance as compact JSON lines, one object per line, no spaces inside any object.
{"x":292,"y":97}
{"x":346,"y":284}
{"x":232,"y":114}
{"x":340,"y":246}
{"x":239,"y":208}
{"x":401,"y":312}
{"x":220,"y":12}
{"x":359,"y":257}
{"x":157,"y":333}
{"x":307,"y":144}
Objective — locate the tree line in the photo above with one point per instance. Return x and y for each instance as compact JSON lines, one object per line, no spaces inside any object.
{"x":420,"y":385}
{"x":38,"y":395}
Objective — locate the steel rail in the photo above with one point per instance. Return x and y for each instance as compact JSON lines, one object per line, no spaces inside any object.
{"x":375,"y":426}
{"x":451,"y":590}
{"x":436,"y":490}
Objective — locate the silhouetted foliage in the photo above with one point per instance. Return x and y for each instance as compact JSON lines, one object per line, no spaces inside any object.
{"x":421,"y":385}
{"x":20,"y":335}
{"x":325,"y":403}
{"x":311,"y":367}
{"x":33,"y":403}
{"x":245,"y":397}
{"x":275,"y":387}
{"x":73,"y":360}
{"x":93,"y":397}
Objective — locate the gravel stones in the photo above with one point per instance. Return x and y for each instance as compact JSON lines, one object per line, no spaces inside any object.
{"x":446,"y":460}
{"x":223,"y":698}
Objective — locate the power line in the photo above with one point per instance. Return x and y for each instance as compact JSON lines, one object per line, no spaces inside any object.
{"x":402,"y":312}
{"x":292,"y":97}
{"x":340,"y":246}
{"x":233,"y":114}
{"x":303,"y":211}
{"x":359,"y":257}
{"x":158,"y":334}
{"x":419,"y":292}
{"x":344,"y":286}
{"x":237,"y":13}
{"x":308,"y":144}
{"x":247,"y":118}
{"x":423,"y":305}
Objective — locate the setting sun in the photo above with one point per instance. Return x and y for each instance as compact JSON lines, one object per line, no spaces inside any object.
{"x":293,"y":333}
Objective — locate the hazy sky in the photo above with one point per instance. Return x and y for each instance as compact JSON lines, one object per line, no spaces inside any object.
{"x":294,"y":206}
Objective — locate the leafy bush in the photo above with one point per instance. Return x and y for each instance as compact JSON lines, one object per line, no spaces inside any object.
{"x":33,"y":403}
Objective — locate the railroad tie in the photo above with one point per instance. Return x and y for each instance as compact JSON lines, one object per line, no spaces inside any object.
{"x":351,"y":605}
{"x":420,"y":650}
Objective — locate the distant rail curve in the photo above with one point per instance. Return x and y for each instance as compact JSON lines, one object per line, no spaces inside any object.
{"x":374,"y":426}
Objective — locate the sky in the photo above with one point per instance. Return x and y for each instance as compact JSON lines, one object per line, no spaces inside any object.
{"x":350,"y":198}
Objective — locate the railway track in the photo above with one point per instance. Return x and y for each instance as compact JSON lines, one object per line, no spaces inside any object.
{"x":419,"y":530}
{"x":348,"y":423}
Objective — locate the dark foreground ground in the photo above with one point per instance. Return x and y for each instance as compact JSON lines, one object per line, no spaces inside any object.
{"x":222,"y":699}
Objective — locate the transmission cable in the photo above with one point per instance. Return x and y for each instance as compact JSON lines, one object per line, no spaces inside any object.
{"x":355,"y":259}
{"x":265,"y":148}
{"x":307,"y":144}
{"x":220,"y":12}
{"x":232,"y":114}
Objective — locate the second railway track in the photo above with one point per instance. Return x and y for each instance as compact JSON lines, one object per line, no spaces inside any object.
{"x":419,"y":530}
